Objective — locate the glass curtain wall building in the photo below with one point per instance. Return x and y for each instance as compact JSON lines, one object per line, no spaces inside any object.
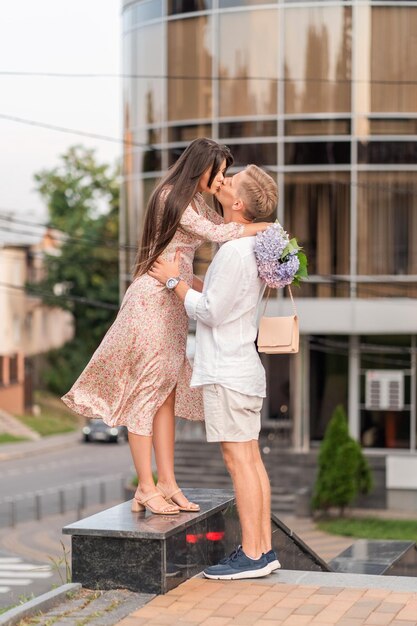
{"x":323,"y":95}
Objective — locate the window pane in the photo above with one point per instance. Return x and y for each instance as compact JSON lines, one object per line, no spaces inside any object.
{"x":385,"y":428}
{"x":189,"y":55}
{"x":151,"y":160}
{"x":257,"y":153}
{"x":317,"y":213}
{"x":317,"y":59}
{"x":188,"y":133}
{"x":226,"y":4}
{"x":317,"y":153}
{"x":317,"y":127}
{"x":174,"y":154}
{"x":188,"y":6}
{"x":328,"y":380}
{"x":145,"y":11}
{"x":147,"y":93}
{"x":242,"y":38}
{"x":387,"y":224}
{"x":388,"y":152}
{"x":248,"y":129}
{"x":387,"y":73}
{"x":392,"y":289}
{"x":392,"y":127}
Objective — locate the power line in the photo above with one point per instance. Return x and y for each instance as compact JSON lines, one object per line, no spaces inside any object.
{"x":71,"y":131}
{"x":16,"y":223}
{"x":371,"y":352}
{"x":64,"y":237}
{"x":18,"y":229}
{"x":285,"y":79}
{"x":78,"y":299}
{"x":365,"y":287}
{"x":148,"y":146}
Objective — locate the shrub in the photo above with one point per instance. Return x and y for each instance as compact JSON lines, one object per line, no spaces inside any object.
{"x":344,"y":472}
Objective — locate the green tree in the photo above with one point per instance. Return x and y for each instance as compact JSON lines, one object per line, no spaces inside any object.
{"x":344,"y":472}
{"x":82,"y":197}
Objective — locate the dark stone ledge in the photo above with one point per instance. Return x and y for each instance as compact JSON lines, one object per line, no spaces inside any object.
{"x":120,"y":521}
{"x":153,"y":553}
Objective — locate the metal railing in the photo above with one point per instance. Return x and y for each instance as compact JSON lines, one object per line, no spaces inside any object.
{"x":59,"y":500}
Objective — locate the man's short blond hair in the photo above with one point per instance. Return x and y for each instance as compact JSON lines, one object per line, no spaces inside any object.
{"x":259,"y":193}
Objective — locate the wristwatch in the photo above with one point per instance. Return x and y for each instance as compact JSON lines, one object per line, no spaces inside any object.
{"x":172,"y":282}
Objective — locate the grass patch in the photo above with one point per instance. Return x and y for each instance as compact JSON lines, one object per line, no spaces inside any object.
{"x":371,"y":528}
{"x":6,"y":438}
{"x":54,"y":417}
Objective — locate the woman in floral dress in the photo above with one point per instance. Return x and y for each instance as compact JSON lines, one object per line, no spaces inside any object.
{"x":139,"y":375}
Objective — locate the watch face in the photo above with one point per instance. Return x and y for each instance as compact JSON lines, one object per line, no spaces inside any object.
{"x":172,"y":283}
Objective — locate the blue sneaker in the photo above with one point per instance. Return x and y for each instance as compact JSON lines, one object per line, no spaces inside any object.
{"x":237,"y":566}
{"x":272,"y":559}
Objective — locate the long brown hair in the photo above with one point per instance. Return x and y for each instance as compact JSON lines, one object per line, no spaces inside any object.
{"x":182,"y":179}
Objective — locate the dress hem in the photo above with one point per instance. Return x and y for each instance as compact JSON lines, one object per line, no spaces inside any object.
{"x":86,"y":411}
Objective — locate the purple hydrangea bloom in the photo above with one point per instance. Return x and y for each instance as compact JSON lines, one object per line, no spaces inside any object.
{"x":269,"y":246}
{"x":287,"y":270}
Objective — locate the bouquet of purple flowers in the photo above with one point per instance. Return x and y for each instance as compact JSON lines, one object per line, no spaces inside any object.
{"x":280,"y":260}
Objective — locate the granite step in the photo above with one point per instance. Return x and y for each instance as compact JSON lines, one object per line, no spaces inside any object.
{"x":158,"y":553}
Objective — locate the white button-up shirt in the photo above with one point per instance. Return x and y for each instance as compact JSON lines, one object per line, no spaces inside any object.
{"x":226,"y":314}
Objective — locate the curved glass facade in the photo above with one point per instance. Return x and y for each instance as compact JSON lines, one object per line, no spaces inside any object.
{"x":324,"y":95}
{"x":309,"y":90}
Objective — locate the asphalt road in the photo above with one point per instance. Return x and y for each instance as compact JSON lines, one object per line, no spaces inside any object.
{"x":51,"y":486}
{"x":81,"y":474}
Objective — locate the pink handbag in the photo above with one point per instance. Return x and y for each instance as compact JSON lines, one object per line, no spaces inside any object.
{"x":279,"y":335}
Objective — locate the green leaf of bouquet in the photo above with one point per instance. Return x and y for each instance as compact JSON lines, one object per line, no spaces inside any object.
{"x":302,"y":270}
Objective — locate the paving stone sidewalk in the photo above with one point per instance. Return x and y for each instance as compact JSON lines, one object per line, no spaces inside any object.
{"x":268,"y":602}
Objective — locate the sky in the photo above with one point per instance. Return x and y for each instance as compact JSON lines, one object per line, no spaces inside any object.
{"x":64,"y":36}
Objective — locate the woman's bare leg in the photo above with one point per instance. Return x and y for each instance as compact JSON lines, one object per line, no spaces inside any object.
{"x":141,"y":450}
{"x":164,"y":444}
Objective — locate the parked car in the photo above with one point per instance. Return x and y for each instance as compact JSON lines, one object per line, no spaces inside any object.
{"x":96,"y":430}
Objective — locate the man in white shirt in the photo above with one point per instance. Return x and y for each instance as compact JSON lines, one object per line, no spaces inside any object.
{"x":228,"y":367}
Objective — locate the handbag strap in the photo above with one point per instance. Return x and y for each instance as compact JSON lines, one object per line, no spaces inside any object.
{"x":292,"y":300}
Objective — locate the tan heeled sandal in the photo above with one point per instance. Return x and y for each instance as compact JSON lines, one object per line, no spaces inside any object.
{"x":141,"y":505}
{"x":192,"y":508}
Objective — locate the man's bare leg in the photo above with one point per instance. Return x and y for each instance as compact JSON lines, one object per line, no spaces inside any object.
{"x":266,"y":498}
{"x":240,"y":462}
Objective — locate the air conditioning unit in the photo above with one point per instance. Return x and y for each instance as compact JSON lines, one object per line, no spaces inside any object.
{"x":384,"y":390}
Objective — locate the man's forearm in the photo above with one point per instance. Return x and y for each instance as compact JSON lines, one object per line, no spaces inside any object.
{"x":197,"y":284}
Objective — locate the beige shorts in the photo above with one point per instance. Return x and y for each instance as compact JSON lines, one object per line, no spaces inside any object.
{"x":230,"y":415}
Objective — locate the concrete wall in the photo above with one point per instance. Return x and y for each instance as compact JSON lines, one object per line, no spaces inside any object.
{"x":12,"y":399}
{"x":351,"y":316}
{"x":27,"y":325}
{"x":402,"y":481}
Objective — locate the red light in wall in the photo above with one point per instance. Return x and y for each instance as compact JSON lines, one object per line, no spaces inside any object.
{"x":193,"y":538}
{"x":215,"y":536}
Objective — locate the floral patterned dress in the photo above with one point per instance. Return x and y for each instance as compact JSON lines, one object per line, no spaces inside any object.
{"x":142,"y":357}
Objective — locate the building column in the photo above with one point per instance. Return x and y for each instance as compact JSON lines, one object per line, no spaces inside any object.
{"x":353,"y":387}
{"x":300,"y":396}
{"x":6,"y":370}
{"x":413,"y":399}
{"x":20,"y":367}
